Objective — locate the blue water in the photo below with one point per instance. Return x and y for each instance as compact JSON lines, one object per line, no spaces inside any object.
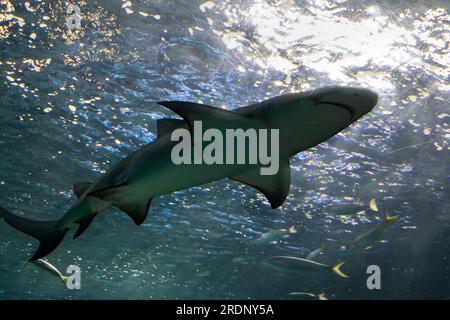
{"x":74,"y":102}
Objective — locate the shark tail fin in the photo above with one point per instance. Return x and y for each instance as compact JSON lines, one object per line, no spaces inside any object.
{"x":46,"y":232}
{"x":292,"y":229}
{"x":336,"y":269}
{"x":388,"y":218}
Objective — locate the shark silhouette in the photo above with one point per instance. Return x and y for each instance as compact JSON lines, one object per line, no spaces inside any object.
{"x":304,"y":120}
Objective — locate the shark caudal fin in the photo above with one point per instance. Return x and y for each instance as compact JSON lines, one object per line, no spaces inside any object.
{"x":45,"y":231}
{"x":336,"y":269}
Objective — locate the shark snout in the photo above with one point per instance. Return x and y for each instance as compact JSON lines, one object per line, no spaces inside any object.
{"x":364,"y":101}
{"x":356,"y":101}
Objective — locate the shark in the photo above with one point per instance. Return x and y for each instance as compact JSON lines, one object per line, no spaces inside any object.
{"x":303,"y":119}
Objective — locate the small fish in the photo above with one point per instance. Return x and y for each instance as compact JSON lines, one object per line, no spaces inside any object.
{"x":48,"y":266}
{"x":320,"y":296}
{"x":373,"y":205}
{"x":274,"y":235}
{"x":313,"y":254}
{"x":365,"y":240}
{"x":296,"y":264}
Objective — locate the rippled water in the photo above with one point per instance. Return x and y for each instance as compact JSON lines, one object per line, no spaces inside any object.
{"x":74,"y":102}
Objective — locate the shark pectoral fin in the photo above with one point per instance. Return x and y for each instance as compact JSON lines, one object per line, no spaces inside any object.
{"x":167,"y":126}
{"x":81,"y":187}
{"x":137,"y":211}
{"x":210,"y":116}
{"x":274,"y":187}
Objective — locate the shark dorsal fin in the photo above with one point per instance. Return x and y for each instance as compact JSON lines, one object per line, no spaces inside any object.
{"x":274,"y":187}
{"x":166,"y":126}
{"x":210,"y":116}
{"x":81,"y":187}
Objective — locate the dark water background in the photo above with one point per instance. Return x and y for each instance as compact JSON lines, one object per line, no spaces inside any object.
{"x":72,"y":103}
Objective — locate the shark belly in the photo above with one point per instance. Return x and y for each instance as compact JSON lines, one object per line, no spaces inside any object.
{"x":159,"y":175}
{"x":150,"y":172}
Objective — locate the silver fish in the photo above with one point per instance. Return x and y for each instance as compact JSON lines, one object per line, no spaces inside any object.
{"x":275,"y":235}
{"x":313,"y":254}
{"x":366,"y":239}
{"x":287,"y":263}
{"x":50,"y":267}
